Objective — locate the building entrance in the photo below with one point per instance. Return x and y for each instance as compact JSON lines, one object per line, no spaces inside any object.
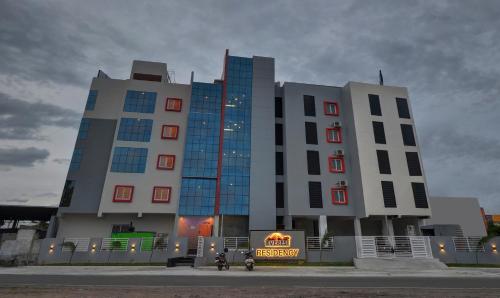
{"x":192,"y":228}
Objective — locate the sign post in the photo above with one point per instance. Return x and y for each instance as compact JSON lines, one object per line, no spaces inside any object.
{"x":278,"y":245}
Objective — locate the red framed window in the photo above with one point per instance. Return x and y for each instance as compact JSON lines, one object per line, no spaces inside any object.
{"x":123,"y":193}
{"x":339,"y":196}
{"x":161,"y":194}
{"x":331,"y":108}
{"x":165,"y":162}
{"x":336,"y":164}
{"x":334,"y":135}
{"x":170,"y":132}
{"x":173,"y":104}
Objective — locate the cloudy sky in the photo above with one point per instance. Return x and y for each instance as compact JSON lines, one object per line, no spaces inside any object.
{"x":446,"y":52}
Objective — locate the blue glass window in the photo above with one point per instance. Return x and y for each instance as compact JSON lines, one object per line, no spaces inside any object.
{"x":133,"y":129}
{"x":140,"y":102}
{"x":129,"y":160}
{"x":235,"y":178}
{"x":201,"y":151}
{"x":84,"y":129}
{"x":76,"y":159}
{"x":197,"y":196}
{"x":91,"y":99}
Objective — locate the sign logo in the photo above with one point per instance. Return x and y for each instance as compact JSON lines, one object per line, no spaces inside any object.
{"x":277,"y":240}
{"x":277,"y":245}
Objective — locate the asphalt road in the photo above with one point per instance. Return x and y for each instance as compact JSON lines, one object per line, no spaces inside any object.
{"x":255,"y":281}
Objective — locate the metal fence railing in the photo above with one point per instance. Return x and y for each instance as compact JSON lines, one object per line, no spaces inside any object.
{"x":468,"y":244}
{"x":393,"y":246}
{"x":315,"y":243}
{"x":235,"y":243}
{"x":154,"y":244}
{"x":81,"y":244}
{"x":114,"y":244}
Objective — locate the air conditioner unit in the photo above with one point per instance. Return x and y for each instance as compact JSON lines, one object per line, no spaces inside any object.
{"x":342,"y":183}
{"x":336,"y":124}
{"x":339,"y":152}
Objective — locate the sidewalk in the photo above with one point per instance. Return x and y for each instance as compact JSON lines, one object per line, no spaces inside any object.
{"x":260,"y":271}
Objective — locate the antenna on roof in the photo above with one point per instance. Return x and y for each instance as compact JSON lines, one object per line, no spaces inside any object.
{"x":380,"y":78}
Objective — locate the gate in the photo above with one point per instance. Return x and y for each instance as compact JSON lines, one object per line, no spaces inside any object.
{"x":392,"y":247}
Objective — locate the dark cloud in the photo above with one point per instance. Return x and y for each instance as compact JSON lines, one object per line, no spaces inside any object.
{"x":22,"y":157}
{"x":61,"y":161}
{"x":22,"y":120}
{"x":445,"y":52}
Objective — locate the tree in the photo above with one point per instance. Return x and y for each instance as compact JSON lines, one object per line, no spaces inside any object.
{"x":325,"y":242}
{"x":116,"y":244}
{"x":72,"y":247}
{"x":493,"y":231}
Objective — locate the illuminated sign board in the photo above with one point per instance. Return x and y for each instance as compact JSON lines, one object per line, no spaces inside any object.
{"x":278,"y":244}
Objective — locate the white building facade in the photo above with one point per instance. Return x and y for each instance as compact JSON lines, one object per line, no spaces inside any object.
{"x":243,"y":153}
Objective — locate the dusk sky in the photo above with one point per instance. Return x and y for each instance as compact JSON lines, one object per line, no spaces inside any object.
{"x":446,"y":52}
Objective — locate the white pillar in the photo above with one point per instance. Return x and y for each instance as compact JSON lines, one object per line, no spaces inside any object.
{"x":357,"y":227}
{"x":216,"y":226}
{"x":388,"y":227}
{"x":323,"y":226}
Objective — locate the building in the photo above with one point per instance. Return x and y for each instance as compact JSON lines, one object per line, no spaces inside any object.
{"x":464,"y":219}
{"x":203,"y":159}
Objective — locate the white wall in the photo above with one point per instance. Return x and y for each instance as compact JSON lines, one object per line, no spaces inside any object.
{"x":465,"y":212}
{"x":370,"y":175}
{"x":109,"y":105}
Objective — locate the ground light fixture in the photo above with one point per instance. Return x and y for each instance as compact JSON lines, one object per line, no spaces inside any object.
{"x":441,"y":247}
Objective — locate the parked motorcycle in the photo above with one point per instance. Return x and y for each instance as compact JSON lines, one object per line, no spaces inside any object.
{"x":221,"y":261}
{"x":249,"y":261}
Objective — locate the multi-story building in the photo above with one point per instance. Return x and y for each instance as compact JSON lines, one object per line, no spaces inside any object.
{"x":243,"y":153}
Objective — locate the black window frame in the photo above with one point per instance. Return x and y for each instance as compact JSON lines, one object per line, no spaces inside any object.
{"x":388,"y":194}
{"x":278,"y":134}
{"x":419,"y":195}
{"x":279,"y":163}
{"x":375,"y":108}
{"x":403,"y":108}
{"x":309,"y":106}
{"x":313,"y":162}
{"x":280,"y":195}
{"x":413,"y":162}
{"x":379,"y":132}
{"x":311,"y":130}
{"x":384,"y":164}
{"x":278,"y":107}
{"x":315,"y":194}
{"x":408,"y":135}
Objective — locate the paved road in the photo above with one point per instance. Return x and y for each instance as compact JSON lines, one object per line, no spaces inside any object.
{"x":7,"y":280}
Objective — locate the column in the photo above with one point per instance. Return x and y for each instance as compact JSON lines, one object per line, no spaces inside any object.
{"x":323,"y":226}
{"x":216,"y":226}
{"x":357,"y":227}
{"x":387,"y":227}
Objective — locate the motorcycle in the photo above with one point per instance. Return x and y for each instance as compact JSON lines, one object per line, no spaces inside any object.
{"x":249,"y":261}
{"x":220,"y":260}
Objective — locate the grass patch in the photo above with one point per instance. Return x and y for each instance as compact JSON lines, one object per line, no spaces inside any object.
{"x":106,"y":264}
{"x":303,"y":264}
{"x":474,"y":265}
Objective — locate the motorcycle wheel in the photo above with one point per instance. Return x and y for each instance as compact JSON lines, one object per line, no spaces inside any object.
{"x":250,"y":267}
{"x":219,"y":267}
{"x":227,"y":266}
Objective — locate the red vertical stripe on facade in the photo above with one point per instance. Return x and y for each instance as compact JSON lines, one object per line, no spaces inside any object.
{"x":221,"y":136}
